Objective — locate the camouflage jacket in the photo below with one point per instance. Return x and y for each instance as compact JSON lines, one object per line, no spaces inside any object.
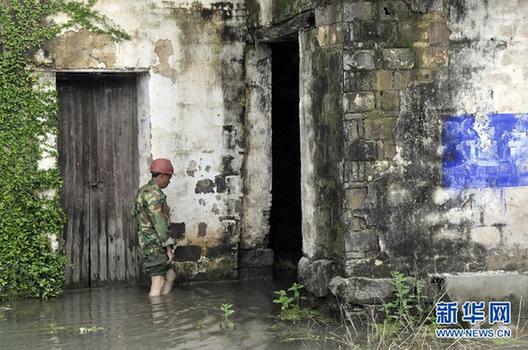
{"x":152,"y":215}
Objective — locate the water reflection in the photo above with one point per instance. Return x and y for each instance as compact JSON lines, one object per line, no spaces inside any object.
{"x":188,"y":318}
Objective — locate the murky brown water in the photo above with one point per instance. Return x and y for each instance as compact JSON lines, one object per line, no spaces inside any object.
{"x":188,"y":318}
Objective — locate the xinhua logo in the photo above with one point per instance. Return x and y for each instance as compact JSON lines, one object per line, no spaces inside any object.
{"x":473,"y":312}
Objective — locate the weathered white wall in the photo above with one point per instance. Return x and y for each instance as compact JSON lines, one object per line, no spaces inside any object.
{"x":426,"y":61}
{"x":498,"y":71}
{"x":489,"y":74}
{"x":310,"y":236}
{"x":258,"y":174}
{"x":191,"y":99}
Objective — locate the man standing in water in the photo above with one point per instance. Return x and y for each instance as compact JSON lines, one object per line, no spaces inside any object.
{"x":152,"y":215}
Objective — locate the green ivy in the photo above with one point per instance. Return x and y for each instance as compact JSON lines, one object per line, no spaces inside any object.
{"x":28,"y":116}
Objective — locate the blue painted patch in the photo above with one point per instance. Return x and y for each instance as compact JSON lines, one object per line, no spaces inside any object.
{"x":496,"y":156}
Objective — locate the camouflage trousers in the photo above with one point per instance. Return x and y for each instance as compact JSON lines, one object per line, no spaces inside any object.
{"x":155,"y":260}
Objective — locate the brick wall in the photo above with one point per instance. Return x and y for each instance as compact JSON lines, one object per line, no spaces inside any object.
{"x":386,"y":47}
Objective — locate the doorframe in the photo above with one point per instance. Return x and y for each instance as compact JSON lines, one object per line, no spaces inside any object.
{"x":257,"y":198}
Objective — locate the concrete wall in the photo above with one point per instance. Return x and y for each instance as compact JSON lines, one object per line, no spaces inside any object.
{"x":321,"y":145}
{"x":256,"y":259}
{"x":408,"y":70}
{"x":257,"y":175}
{"x":411,"y":69}
{"x":457,"y":58}
{"x":380,"y":80}
{"x":191,"y":111}
{"x":488,"y":69}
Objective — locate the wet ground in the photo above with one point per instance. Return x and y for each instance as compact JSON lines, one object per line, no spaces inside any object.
{"x":188,"y":318}
{"x":127,"y":318}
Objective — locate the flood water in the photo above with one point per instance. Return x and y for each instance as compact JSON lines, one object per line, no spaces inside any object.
{"x":127,"y":318}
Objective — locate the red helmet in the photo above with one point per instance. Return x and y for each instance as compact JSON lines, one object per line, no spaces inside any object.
{"x":161,"y":166}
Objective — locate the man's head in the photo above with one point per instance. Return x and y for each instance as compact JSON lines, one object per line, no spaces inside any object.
{"x":162,"y":180}
{"x":161,"y":170}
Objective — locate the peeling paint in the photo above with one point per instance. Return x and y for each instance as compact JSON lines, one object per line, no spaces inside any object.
{"x":191,"y":104}
{"x":82,"y":49}
{"x":165,"y":51}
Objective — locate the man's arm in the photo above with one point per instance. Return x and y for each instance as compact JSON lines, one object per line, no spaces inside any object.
{"x":155,"y":210}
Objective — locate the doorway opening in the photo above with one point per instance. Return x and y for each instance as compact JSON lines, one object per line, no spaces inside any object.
{"x":98,"y":160}
{"x":286,"y":214}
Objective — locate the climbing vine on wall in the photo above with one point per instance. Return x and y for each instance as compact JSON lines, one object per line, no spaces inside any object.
{"x":30,"y":213}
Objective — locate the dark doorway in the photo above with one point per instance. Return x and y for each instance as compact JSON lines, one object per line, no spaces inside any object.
{"x":98,"y":159}
{"x":286,"y":237}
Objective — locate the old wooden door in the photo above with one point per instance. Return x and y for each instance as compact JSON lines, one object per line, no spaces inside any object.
{"x":98,"y":156}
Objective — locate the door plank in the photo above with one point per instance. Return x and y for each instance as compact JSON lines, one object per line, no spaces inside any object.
{"x":86,"y":98}
{"x":78,"y":178}
{"x":65,"y":93}
{"x":131,"y":145}
{"x":93,"y":184}
{"x":119,"y":175}
{"x":109,"y":196}
{"x":102,"y":173}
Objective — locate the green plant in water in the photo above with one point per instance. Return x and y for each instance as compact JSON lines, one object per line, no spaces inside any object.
{"x":407,"y":314}
{"x":409,"y":303}
{"x":295,"y":322}
{"x":290,"y":302}
{"x":227,"y":323}
{"x":296,"y":291}
{"x":30,"y":210}
{"x":400,"y":307}
{"x":88,"y":330}
{"x":283,"y":299}
{"x":286,"y":301}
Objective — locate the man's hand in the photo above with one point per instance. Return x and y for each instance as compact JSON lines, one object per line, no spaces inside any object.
{"x":170,"y":253}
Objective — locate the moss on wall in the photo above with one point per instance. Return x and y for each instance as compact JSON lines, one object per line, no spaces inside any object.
{"x":286,"y":9}
{"x":253,"y":8}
